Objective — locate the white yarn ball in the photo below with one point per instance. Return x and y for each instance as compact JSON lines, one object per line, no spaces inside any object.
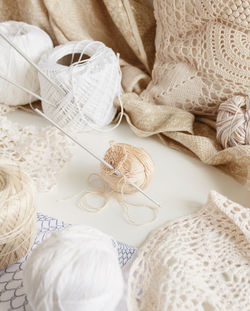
{"x":33,"y":41}
{"x":74,"y":269}
{"x":91,"y":86}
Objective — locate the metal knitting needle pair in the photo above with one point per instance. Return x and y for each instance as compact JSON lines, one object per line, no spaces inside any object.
{"x":52,"y":122}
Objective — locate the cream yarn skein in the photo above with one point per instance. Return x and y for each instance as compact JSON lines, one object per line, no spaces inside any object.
{"x":89,"y":74}
{"x":233,"y":122}
{"x":134,"y":163}
{"x":17,"y":213}
{"x":74,"y":269}
{"x":33,"y":41}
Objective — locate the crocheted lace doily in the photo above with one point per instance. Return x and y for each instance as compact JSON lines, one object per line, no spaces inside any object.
{"x":41,"y":152}
{"x":202,"y":53}
{"x":199,"y":262}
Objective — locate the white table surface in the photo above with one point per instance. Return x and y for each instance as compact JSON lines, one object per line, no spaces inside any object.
{"x":181,"y":184}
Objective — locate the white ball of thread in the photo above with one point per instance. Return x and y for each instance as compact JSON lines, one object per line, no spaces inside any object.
{"x":74,"y":269}
{"x":233,"y":122}
{"x":33,"y":41}
{"x":134,"y":163}
{"x":90,"y":85}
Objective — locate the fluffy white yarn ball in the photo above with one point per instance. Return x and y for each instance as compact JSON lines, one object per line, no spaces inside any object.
{"x":89,"y":74}
{"x":74,"y":269}
{"x":33,"y":41}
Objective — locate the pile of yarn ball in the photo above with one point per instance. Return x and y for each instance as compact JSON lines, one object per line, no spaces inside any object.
{"x":74,"y":269}
{"x":88,"y":73}
{"x":17,"y":213}
{"x":134,"y":163}
{"x":233,"y":122}
{"x":33,"y":41}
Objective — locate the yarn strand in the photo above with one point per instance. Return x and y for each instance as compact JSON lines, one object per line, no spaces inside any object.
{"x":108,"y":195}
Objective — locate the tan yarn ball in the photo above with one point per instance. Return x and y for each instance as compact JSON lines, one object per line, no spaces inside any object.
{"x":233,"y":122}
{"x":17,"y":213}
{"x":134,"y":163}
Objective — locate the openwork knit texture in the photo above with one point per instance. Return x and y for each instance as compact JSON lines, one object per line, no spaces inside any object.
{"x":40,"y":152}
{"x":111,"y":21}
{"x":199,"y":262}
{"x":203,"y":53}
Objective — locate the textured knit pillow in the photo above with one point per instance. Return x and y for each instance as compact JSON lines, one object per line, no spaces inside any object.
{"x":202,"y":53}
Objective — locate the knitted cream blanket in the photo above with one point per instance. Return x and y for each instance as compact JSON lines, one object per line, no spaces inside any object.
{"x":199,"y":262}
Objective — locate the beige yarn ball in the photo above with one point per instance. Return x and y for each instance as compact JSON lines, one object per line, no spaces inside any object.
{"x":233,"y":122}
{"x":17,"y":213}
{"x":134,"y":163}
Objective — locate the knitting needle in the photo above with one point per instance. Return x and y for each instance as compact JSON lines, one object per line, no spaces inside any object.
{"x":25,"y":90}
{"x":74,"y":140}
{"x":95,"y":156}
{"x":32,"y":63}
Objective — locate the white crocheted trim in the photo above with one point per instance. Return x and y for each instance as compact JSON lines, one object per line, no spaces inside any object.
{"x":41,"y":152}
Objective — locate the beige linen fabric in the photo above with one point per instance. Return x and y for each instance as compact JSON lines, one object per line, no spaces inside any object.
{"x":128,"y":26}
{"x":200,"y":262}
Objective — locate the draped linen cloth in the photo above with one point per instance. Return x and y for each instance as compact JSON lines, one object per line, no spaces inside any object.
{"x":129,"y":28}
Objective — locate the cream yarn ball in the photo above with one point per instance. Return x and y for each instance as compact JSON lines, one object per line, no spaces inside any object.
{"x":134,"y":163}
{"x":76,"y":269}
{"x":33,"y":41}
{"x":17,"y":213}
{"x":233,"y":122}
{"x":89,"y":74}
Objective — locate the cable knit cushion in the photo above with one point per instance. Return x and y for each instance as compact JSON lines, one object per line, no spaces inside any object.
{"x":202,"y":53}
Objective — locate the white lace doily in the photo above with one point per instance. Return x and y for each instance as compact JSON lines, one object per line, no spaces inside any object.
{"x":42,"y":152}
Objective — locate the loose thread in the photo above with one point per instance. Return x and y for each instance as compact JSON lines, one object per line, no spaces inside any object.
{"x":107,"y":194}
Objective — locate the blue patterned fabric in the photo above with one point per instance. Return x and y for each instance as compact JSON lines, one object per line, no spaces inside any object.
{"x":12,"y":295}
